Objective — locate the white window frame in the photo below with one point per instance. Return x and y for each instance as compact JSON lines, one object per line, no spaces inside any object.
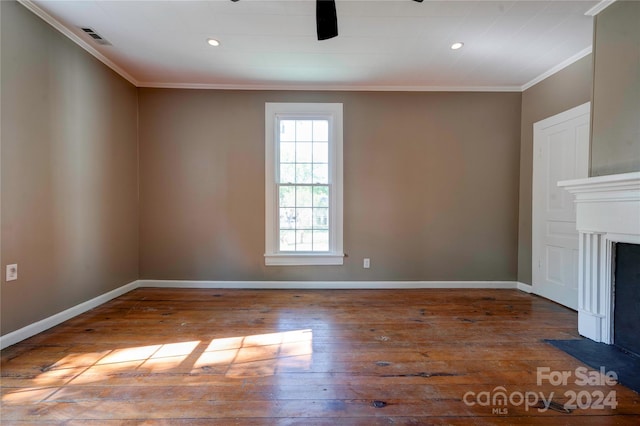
{"x":333,"y":112}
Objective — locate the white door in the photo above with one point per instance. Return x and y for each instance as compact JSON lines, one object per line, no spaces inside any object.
{"x":561,"y":152}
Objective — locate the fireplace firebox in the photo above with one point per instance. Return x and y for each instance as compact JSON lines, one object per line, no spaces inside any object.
{"x":626,"y":306}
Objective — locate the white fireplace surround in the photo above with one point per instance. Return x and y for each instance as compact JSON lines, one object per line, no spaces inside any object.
{"x":607,"y":212}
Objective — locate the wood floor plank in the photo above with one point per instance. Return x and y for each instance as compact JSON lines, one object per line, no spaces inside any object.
{"x":202,"y":356}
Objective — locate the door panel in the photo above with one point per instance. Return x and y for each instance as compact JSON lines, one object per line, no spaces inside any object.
{"x":561,"y":152}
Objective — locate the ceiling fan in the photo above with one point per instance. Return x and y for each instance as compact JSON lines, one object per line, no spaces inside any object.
{"x":327,"y":19}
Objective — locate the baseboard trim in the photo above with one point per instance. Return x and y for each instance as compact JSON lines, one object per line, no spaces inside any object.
{"x":527,"y":288}
{"x":45,"y":324}
{"x":329,"y":285}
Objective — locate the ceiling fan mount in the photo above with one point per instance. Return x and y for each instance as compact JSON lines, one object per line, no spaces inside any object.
{"x":327,"y":18}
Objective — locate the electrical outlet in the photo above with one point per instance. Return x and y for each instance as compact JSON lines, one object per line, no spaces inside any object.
{"x":12,"y":272}
{"x":367,"y":263}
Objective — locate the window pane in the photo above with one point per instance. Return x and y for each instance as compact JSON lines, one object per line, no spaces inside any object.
{"x":320,"y":240}
{"x":303,"y":196}
{"x":303,"y":152}
{"x":287,"y":240}
{"x":287,"y":173}
{"x":287,"y":152}
{"x":303,"y":219}
{"x":287,"y":130}
{"x":303,"y":173}
{"x":321,"y":196}
{"x":304,"y":129}
{"x":320,"y":131}
{"x":320,"y":152}
{"x":320,"y":173}
{"x":320,"y":218}
{"x":304,"y":241}
{"x":287,"y":218}
{"x":287,"y":196}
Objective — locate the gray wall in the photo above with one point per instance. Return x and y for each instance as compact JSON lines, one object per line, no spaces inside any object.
{"x":431,"y":185}
{"x":564,"y":90}
{"x":615,"y":137}
{"x":69,"y":172}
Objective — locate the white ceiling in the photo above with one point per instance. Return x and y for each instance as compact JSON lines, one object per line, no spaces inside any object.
{"x":382,"y":45}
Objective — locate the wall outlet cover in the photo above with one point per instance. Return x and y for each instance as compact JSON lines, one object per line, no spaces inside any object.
{"x":12,"y":272}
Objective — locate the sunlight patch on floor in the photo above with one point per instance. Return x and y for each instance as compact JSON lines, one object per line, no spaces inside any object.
{"x":235,"y":357}
{"x":258,"y":355}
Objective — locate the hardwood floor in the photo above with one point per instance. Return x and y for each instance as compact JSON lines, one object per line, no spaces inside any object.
{"x":316,"y":357}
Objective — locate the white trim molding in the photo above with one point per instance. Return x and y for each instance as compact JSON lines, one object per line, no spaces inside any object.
{"x":599,"y":7}
{"x":330,"y":285}
{"x":303,"y":259}
{"x":562,"y":65}
{"x":328,"y":88}
{"x":607,"y":212}
{"x":527,"y":288}
{"x":45,"y":324}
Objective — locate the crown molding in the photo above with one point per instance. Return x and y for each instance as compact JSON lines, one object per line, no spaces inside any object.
{"x":346,"y":88}
{"x":599,"y":7}
{"x":77,"y":40}
{"x":562,"y":65}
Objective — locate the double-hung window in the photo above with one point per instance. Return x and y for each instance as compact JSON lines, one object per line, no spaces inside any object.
{"x":303,"y":189}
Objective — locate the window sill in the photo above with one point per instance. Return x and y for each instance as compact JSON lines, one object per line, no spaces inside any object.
{"x":303,"y":259}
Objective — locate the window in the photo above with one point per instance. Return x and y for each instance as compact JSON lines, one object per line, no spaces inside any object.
{"x":303,"y":184}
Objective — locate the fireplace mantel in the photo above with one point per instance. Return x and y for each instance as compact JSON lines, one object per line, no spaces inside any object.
{"x":607,"y":212}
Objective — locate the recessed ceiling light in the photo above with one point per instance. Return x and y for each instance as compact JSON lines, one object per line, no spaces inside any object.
{"x":213,"y":42}
{"x":457,"y":45}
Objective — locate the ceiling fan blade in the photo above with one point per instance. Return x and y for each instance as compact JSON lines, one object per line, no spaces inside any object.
{"x":326,"y":19}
